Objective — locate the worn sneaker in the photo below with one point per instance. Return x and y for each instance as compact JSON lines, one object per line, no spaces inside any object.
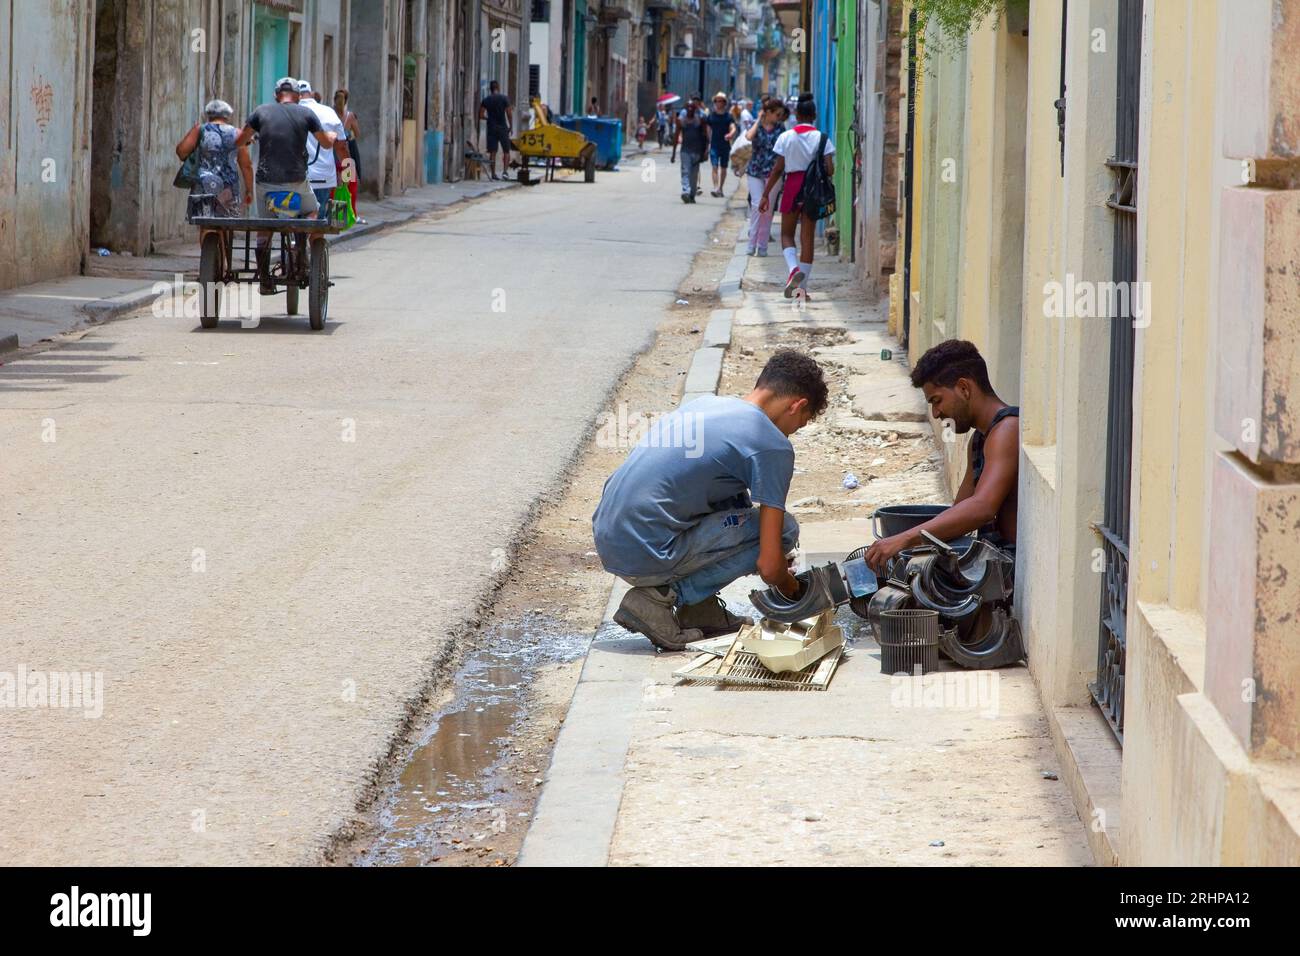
{"x":686,"y":197}
{"x":761,"y":252}
{"x":711,"y":617}
{"x":794,"y":281}
{"x":649,"y":612}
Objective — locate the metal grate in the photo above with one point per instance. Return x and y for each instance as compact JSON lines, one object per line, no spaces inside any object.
{"x":742,"y":669}
{"x":1108,"y":688}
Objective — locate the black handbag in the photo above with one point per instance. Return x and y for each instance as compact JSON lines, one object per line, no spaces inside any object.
{"x":817,"y":194}
{"x":187,"y":177}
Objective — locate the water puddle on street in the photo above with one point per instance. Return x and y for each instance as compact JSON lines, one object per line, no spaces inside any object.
{"x":456,"y":790}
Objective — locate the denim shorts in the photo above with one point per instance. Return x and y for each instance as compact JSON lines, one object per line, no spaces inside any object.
{"x":720,"y":536}
{"x":719,"y":157}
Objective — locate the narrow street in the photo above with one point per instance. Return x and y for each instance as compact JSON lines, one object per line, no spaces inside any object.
{"x":269,"y":540}
{"x":663,"y":433}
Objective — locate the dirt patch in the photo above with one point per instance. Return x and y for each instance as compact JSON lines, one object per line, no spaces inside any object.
{"x":881,"y":458}
{"x":555,"y":578}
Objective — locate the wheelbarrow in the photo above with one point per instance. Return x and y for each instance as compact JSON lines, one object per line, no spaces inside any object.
{"x":549,"y":145}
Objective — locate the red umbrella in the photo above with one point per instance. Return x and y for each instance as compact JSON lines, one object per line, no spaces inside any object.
{"x":668,"y":99}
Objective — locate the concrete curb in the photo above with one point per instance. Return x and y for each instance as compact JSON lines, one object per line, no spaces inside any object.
{"x":705,"y":371}
{"x":102,"y":310}
{"x":717,"y":334}
{"x":577,"y":811}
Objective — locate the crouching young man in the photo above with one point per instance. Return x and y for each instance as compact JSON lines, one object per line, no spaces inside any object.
{"x":678,"y":520}
{"x":955,"y":380}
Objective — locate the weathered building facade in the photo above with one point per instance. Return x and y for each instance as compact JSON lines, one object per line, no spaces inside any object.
{"x":97,"y":93}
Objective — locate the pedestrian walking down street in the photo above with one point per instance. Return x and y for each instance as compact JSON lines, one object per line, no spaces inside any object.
{"x":661,"y":126}
{"x":495,"y":108}
{"x":353,"y":130}
{"x":795,"y":150}
{"x":722,"y":130}
{"x":222,"y":163}
{"x":693,"y":137}
{"x":763,"y":136}
{"x":746,"y":117}
{"x":322,"y":171}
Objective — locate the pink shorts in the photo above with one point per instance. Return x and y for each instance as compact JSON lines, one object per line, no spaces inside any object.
{"x":790,"y":195}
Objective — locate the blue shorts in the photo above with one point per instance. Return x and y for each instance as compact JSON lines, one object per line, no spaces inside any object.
{"x":323,"y":195}
{"x":719,"y":157}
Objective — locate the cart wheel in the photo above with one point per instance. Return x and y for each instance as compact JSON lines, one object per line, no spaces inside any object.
{"x":318,"y":294}
{"x":291,"y":299}
{"x":589,"y":168}
{"x":288,"y":247}
{"x":209,"y":279}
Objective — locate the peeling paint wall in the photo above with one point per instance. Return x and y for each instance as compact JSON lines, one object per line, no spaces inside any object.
{"x":44,"y":137}
{"x":95,"y":95}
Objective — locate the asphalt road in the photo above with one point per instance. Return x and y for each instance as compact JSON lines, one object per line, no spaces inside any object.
{"x":264,"y":539}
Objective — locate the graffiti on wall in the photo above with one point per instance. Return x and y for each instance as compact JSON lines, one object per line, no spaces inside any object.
{"x":43,"y":101}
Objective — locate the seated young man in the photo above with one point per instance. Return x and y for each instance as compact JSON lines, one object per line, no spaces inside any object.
{"x":678,"y":520}
{"x":955,"y":381}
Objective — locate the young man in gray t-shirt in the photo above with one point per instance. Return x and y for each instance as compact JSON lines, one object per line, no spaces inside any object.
{"x":678,"y":520}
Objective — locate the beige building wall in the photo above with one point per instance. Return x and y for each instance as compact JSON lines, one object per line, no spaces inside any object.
{"x":1209,"y":771}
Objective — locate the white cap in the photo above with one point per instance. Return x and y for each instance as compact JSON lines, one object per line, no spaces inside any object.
{"x":286,"y":84}
{"x":304,"y":88}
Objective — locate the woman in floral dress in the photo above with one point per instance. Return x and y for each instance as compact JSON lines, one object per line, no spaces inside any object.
{"x":222,"y":164}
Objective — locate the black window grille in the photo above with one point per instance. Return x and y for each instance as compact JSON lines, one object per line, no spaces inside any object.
{"x":1112,"y":645}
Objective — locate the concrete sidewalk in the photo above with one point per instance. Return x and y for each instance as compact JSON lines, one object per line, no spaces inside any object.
{"x":954,"y":768}
{"x":117,"y":284}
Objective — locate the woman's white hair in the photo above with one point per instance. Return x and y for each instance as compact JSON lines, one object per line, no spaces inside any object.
{"x":218,"y":108}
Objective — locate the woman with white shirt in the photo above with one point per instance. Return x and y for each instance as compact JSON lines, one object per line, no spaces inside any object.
{"x":795,"y":150}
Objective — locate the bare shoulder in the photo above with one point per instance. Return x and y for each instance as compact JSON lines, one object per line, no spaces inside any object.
{"x":1004,"y":436}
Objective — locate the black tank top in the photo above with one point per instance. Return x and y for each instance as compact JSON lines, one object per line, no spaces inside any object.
{"x":977,"y":442}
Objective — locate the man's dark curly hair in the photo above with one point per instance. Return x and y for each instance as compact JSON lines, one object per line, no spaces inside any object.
{"x":789,"y":372}
{"x":948,"y":361}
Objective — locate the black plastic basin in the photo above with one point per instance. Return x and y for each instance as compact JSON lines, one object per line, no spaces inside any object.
{"x":895,"y":519}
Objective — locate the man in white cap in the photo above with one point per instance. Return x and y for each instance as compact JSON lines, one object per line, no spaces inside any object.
{"x":282,"y":189}
{"x":321,"y":171}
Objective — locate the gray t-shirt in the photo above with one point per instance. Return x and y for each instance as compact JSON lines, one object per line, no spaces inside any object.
{"x":711,"y":454}
{"x":282,"y":131}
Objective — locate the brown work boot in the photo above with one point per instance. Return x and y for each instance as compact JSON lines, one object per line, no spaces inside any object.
{"x":711,"y":617}
{"x":649,"y":611}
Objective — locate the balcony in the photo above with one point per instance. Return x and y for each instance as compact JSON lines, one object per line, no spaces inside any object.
{"x":615,"y":10}
{"x":727,"y":20}
{"x":688,"y":12}
{"x":770,"y":41}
